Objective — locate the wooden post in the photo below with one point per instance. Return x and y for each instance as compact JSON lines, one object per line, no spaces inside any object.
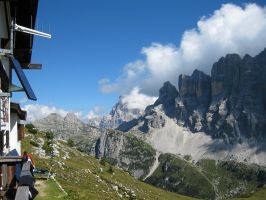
{"x":4,"y":177}
{"x":26,"y":188}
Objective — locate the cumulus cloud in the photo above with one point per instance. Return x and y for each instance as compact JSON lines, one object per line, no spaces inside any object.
{"x":130,"y":76}
{"x":95,"y":113}
{"x":231,"y":29}
{"x":137,"y":100}
{"x":37,"y":111}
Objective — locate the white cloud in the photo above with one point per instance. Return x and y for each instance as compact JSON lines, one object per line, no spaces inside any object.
{"x":37,"y":111}
{"x":161,"y":60}
{"x":137,"y":100}
{"x":130,"y":77}
{"x":92,"y":115}
{"x":95,"y":113}
{"x":231,"y":29}
{"x":107,"y":87}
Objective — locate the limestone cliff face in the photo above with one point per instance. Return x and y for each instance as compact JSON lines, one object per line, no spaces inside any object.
{"x":126,"y":151}
{"x":230,"y":104}
{"x":195,"y":90}
{"x":237,"y":109}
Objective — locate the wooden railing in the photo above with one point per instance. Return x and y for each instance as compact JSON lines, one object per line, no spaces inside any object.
{"x":8,"y":176}
{"x":26,"y":183}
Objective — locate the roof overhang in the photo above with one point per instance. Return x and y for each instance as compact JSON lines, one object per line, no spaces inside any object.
{"x":24,"y":12}
{"x":15,"y":108}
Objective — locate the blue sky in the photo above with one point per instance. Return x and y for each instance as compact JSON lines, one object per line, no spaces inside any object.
{"x":93,"y":40}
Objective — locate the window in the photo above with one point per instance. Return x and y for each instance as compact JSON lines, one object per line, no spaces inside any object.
{"x":1,"y":142}
{"x":7,"y":139}
{"x":21,"y":132}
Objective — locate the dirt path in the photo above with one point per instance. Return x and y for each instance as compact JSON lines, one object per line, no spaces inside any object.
{"x":40,"y":185}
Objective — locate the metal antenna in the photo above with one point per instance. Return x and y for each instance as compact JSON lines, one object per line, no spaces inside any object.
{"x":31,"y":31}
{"x":31,"y":28}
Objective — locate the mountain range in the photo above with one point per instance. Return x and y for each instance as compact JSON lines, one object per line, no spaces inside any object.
{"x":222,"y":116}
{"x":219,"y":117}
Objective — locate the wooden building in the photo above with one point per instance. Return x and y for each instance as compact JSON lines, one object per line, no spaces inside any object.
{"x":17,"y":22}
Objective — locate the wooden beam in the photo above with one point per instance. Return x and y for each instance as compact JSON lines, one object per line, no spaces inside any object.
{"x":22,"y":193}
{"x":4,"y":175}
{"x":31,"y":66}
{"x":10,"y":159}
{"x":26,"y":167}
{"x":14,"y":160}
{"x":26,"y":188}
{"x":26,"y":177}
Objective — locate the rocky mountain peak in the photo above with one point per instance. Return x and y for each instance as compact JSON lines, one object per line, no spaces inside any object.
{"x":225,"y":76}
{"x":229,"y":104}
{"x":73,"y":123}
{"x":117,"y":107}
{"x":71,"y":117}
{"x":120,"y":113}
{"x":49,"y":123}
{"x":55,"y":116}
{"x":66,"y":127}
{"x":195,"y":90}
{"x":247,"y":57}
{"x":167,"y":94}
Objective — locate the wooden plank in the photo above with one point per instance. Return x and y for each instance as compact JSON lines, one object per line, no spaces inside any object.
{"x":26,"y":183}
{"x":22,"y":193}
{"x":11,"y":157}
{"x":26,"y":166}
{"x":31,"y":66}
{"x":4,"y":94}
{"x":4,"y":175}
{"x":26,"y":177}
{"x":10,"y":160}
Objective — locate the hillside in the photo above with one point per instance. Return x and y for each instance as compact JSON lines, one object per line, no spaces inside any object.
{"x":207,"y":179}
{"x":83,"y":177}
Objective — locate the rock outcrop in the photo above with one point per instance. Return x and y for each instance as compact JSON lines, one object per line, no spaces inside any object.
{"x":70,"y":127}
{"x":120,"y":113}
{"x":230,"y":104}
{"x":126,"y":151}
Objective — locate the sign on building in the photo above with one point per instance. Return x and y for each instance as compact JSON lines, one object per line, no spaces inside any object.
{"x":4,"y":111}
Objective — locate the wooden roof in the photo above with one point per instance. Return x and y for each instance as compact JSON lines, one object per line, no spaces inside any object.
{"x":24,"y":12}
{"x":15,"y":108}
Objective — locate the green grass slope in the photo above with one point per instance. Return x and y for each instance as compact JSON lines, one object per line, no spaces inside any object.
{"x":48,"y":190}
{"x":177,"y":175}
{"x":260,"y":194}
{"x":209,"y":179}
{"x":231,"y":178}
{"x":84,"y":177}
